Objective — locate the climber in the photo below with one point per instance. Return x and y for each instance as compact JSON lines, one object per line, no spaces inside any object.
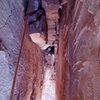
{"x":49,"y":50}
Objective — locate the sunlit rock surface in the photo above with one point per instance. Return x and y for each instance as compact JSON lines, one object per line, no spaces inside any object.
{"x":48,"y":92}
{"x":37,"y":38}
{"x":79,"y":48}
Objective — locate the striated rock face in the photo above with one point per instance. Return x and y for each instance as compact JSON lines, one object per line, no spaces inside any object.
{"x":28,"y":81}
{"x":79,"y":47}
{"x":62,"y":79}
{"x":30,"y":73}
{"x":51,"y":9}
{"x":77,"y":22}
{"x":11,"y":28}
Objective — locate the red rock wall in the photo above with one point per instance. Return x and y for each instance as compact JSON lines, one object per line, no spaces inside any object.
{"x":30,"y":72}
{"x":78,"y":74}
{"x":62,"y":69}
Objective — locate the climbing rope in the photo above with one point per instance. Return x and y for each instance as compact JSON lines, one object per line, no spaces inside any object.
{"x":18,"y":61}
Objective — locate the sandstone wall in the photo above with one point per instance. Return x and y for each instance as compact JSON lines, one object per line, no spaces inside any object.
{"x":28,"y":81}
{"x":79,"y":48}
{"x":30,"y":72}
{"x":62,"y":80}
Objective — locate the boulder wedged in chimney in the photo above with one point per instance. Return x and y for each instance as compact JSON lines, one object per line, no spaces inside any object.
{"x":36,"y":16}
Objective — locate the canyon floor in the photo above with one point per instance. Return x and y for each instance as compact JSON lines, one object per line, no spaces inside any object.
{"x":48,"y":92}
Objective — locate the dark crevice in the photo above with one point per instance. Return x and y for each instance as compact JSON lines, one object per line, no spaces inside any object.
{"x":6,"y":22}
{"x":36,"y":17}
{"x":2,"y":46}
{"x":50,"y":50}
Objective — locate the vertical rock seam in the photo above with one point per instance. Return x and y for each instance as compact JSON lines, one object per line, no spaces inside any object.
{"x":59,"y":44}
{"x":78,"y":69}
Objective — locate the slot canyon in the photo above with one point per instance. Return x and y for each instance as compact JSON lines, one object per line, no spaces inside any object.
{"x":49,"y":49}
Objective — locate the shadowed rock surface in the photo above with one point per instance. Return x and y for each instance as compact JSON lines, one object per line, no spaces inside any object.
{"x":11,"y":28}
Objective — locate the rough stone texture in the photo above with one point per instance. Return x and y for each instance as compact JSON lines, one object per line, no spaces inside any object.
{"x":78,"y":71}
{"x":51,"y":9}
{"x":37,"y":18}
{"x":30,"y":72}
{"x":79,"y":49}
{"x":62,"y":66}
{"x":11,"y":28}
{"x":28,"y":84}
